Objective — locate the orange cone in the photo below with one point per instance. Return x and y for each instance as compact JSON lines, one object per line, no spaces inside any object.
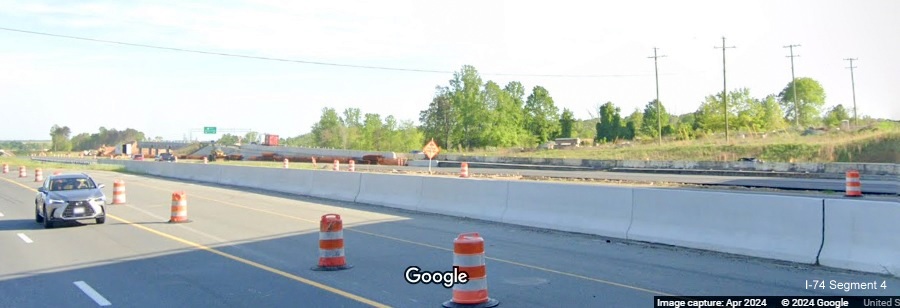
{"x":205,"y":160}
{"x":38,"y":175}
{"x":337,"y":165}
{"x":118,"y":192}
{"x":468,"y":256}
{"x":5,"y":168}
{"x":854,"y":187}
{"x":179,"y":207}
{"x":464,"y":170}
{"x":22,"y":173}
{"x":352,"y":166}
{"x":331,"y":244}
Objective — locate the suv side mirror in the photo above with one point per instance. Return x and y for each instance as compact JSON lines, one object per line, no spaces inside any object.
{"x":42,"y":189}
{"x":100,"y":185}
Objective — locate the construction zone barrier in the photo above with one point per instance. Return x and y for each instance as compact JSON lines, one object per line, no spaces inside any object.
{"x":331,"y":244}
{"x":854,"y":187}
{"x":205,"y":160}
{"x":352,"y":166}
{"x":337,"y":165}
{"x":314,"y":162}
{"x":464,"y":170}
{"x":5,"y":168}
{"x":286,"y":164}
{"x":179,"y":207}
{"x":38,"y":175}
{"x":118,"y":192}
{"x":468,"y":257}
{"x":22,"y":172}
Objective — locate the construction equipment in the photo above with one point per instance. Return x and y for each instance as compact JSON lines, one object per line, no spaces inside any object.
{"x":217,"y":153}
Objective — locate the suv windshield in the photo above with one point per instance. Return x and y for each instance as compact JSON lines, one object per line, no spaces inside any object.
{"x":71,"y":184}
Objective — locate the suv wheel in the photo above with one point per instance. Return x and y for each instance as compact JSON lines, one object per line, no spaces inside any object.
{"x":47,"y":223}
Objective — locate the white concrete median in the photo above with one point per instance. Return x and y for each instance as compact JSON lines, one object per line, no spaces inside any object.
{"x":472,"y":198}
{"x":590,"y":209}
{"x":862,"y":235}
{"x":335,"y":185}
{"x":398,"y":191}
{"x":767,"y":226}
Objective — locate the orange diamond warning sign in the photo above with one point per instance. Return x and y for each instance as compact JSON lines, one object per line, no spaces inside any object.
{"x":431,"y":149}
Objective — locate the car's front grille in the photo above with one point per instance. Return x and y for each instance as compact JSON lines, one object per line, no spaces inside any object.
{"x":69,"y":212}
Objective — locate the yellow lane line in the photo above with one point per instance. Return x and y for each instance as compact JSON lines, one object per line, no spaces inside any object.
{"x":239,"y":259}
{"x":535,"y":267}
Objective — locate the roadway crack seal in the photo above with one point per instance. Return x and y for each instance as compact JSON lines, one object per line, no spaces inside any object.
{"x":821,"y":244}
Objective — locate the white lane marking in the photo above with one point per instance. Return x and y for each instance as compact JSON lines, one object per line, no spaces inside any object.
{"x":99,"y":299}
{"x":25,"y":238}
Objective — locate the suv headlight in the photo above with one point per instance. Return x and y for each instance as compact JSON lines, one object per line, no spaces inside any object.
{"x":55,"y":201}
{"x":100,"y":200}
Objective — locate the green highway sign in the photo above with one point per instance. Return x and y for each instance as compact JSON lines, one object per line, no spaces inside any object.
{"x":209,"y":130}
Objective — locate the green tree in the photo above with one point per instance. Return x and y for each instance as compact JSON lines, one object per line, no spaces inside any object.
{"x":251,"y":137}
{"x":773,"y":117}
{"x":834,"y":116}
{"x":609,"y":126}
{"x":228,"y":139}
{"x":371,"y":132}
{"x":505,"y":127}
{"x":351,"y":126}
{"x":566,"y":123}
{"x":649,"y":125}
{"x":440,"y":119}
{"x":633,"y":123}
{"x":810,"y":99}
{"x":327,"y":131}
{"x":541,"y":115}
{"x":59,"y":137}
{"x":472,"y":114}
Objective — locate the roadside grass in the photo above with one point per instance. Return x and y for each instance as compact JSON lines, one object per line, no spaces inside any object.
{"x":878,"y":144}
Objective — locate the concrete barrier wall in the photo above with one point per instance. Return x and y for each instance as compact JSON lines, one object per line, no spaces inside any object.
{"x":336,"y":185}
{"x":399,"y":191}
{"x":473,"y":198}
{"x":828,"y":168}
{"x":767,"y":226}
{"x":862,"y":235}
{"x":858,"y":234}
{"x":586,"y":209}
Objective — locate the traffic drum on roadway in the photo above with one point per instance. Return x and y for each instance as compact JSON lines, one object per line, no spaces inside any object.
{"x":179,"y":207}
{"x":22,"y":173}
{"x":468,"y":257}
{"x":38,"y":175}
{"x":331,"y":244}
{"x":5,"y":168}
{"x":118,"y":192}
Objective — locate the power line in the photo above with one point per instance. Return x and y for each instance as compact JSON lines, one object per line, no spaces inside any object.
{"x":794,"y":85}
{"x":853,"y":83}
{"x":304,"y":61}
{"x":658,"y":110}
{"x":725,"y":87}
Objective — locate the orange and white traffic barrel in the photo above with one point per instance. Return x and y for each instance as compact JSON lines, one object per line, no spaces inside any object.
{"x":468,"y":257}
{"x":38,"y":175}
{"x":22,"y":173}
{"x":5,"y":168}
{"x":352,"y":166}
{"x":118,"y":192}
{"x":854,"y":187}
{"x":205,"y":160}
{"x":179,"y":207}
{"x":314,"y":161}
{"x":464,"y":170}
{"x":337,"y":165}
{"x":331,"y":244}
{"x":286,"y":164}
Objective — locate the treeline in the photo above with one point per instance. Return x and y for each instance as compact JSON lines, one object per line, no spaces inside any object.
{"x":470,"y":113}
{"x":354,"y":130}
{"x":61,"y":141}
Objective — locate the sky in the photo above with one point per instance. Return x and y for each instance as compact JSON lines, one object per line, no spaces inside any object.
{"x":597,"y":51}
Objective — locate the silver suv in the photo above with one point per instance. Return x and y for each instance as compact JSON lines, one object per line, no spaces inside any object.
{"x":69,"y":197}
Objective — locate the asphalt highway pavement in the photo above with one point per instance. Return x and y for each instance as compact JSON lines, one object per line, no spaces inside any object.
{"x":245,"y":248}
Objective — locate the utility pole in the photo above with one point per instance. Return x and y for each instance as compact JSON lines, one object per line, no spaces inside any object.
{"x":725,"y":87}
{"x":853,"y":83}
{"x":658,"y":110}
{"x":794,"y":85}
